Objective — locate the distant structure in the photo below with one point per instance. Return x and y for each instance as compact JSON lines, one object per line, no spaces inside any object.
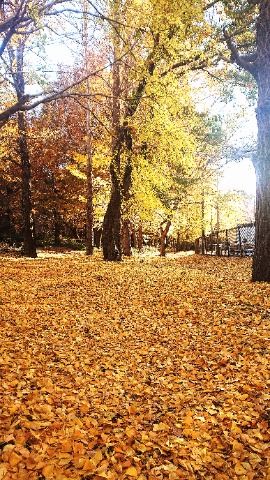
{"x":237,"y":241}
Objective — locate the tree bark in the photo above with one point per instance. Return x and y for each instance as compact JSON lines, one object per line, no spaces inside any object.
{"x":17,"y":69}
{"x":57,"y":229}
{"x":258,"y":64}
{"x":97,"y":234}
{"x":122,"y":142}
{"x":261,"y":260}
{"x":163,"y":237}
{"x":140,"y":238}
{"x":111,"y":236}
{"x":126,"y":238}
{"x":89,"y":170}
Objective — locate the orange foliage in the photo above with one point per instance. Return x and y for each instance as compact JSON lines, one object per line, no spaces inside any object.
{"x":151,"y":369}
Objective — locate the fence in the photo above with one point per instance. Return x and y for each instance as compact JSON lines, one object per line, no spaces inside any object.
{"x":238,"y":241}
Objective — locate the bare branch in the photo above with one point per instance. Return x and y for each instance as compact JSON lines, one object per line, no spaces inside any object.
{"x":210,"y":5}
{"x":185,"y":63}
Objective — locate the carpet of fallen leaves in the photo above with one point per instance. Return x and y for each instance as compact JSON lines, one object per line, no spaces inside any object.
{"x":147,"y":369}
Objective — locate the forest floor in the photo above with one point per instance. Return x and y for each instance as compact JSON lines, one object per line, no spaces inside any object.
{"x":151,"y":368}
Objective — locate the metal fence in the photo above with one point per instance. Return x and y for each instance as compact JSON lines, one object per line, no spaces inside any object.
{"x":238,"y":241}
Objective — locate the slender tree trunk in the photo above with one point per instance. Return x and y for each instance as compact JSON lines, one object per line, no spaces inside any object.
{"x":134,"y":237}
{"x":97,"y":234}
{"x":57,"y":229}
{"x":140,"y":238}
{"x":16,"y":55}
{"x":89,"y":169}
{"x":163,"y":237}
{"x":126,"y":238}
{"x":27,"y":212}
{"x":89,"y":205}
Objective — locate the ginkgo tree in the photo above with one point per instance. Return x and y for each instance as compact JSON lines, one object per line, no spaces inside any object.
{"x":148,"y":40}
{"x":175,"y":152}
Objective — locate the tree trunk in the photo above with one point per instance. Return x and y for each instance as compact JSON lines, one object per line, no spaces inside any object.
{"x":126,"y":238}
{"x":261,"y":260}
{"x":111,"y":236}
{"x":97,"y":234}
{"x":16,"y":55}
{"x":57,"y":229}
{"x":89,"y":207}
{"x":28,"y":218}
{"x":89,"y":170}
{"x":163,"y":238}
{"x":121,"y":143}
{"x":140,"y":238}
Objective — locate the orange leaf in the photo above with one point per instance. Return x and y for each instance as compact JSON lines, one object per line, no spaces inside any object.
{"x":132,"y":472}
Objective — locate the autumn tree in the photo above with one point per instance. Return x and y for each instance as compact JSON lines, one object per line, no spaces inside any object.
{"x":59,"y":167}
{"x":21,"y":29}
{"x":149,"y":40}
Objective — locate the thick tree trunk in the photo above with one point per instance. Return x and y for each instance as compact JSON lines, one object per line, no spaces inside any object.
{"x":121,"y":143}
{"x":261,"y":260}
{"x":28,"y":218}
{"x":111,"y":235}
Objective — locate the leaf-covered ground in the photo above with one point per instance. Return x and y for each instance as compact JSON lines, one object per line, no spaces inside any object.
{"x":147,"y":369}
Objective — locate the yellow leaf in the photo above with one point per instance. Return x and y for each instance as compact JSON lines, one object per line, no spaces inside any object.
{"x":140,"y":447}
{"x":239,"y":470}
{"x":132,"y":409}
{"x":67,"y":445}
{"x":188,"y":420}
{"x":132,"y":472}
{"x":97,"y":458}
{"x":14,"y":408}
{"x":130,"y":432}
{"x":3,"y":472}
{"x":88,"y":465}
{"x":84,"y":408}
{"x":47,"y":471}
{"x":14,"y":459}
{"x":161,"y":427}
{"x":235,"y":429}
{"x":237,"y":446}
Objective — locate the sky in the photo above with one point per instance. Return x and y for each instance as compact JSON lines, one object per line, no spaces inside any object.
{"x":239,"y":176}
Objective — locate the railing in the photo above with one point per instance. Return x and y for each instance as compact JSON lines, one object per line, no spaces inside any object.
{"x":238,"y":241}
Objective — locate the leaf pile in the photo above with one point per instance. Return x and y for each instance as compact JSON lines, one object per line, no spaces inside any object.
{"x":151,"y":369}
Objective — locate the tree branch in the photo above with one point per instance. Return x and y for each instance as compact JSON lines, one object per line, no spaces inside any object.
{"x":246,"y":62}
